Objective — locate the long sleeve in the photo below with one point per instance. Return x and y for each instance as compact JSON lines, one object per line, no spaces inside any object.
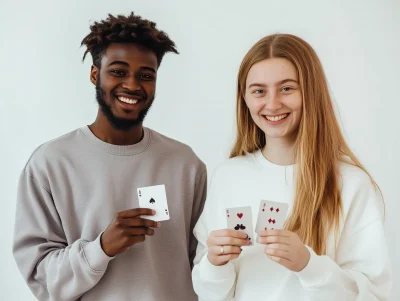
{"x":211,"y":282}
{"x":54,"y":270}
{"x":200,"y":195}
{"x":361,"y":269}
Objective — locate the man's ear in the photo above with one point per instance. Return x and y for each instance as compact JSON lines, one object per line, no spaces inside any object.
{"x":94,"y":73}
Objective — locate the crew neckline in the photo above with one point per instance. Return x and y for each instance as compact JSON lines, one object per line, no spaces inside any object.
{"x":119,"y":150}
{"x":264,"y":162}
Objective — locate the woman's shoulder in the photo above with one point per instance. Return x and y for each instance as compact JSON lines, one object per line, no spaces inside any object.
{"x":361,"y":197}
{"x":350,"y":172}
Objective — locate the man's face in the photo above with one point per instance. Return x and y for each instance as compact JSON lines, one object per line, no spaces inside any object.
{"x":125,"y":84}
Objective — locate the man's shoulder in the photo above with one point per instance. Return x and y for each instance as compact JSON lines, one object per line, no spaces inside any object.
{"x":172,"y":146}
{"x":53,"y":149}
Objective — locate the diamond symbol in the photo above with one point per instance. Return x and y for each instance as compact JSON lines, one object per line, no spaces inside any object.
{"x":273,"y":221}
{"x":271,"y":209}
{"x":270,"y":221}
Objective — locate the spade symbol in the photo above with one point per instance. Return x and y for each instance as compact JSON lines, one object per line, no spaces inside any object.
{"x":152,"y":201}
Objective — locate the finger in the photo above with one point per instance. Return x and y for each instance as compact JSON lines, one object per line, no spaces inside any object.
{"x":135,"y":231}
{"x":282,"y":247}
{"x":226,"y":258}
{"x":230,"y":233}
{"x":274,"y":239}
{"x":129,"y":241}
{"x":227,"y":241}
{"x":136,"y":212}
{"x":278,"y":253}
{"x":278,"y":232}
{"x":283,"y":261}
{"x":137,"y":239}
{"x":140,"y":222}
{"x":217,"y":251}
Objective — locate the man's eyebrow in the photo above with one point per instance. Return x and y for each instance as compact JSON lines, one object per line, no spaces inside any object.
{"x":148,"y":69}
{"x":118,"y":63}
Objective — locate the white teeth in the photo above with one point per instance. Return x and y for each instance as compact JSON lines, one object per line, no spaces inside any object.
{"x":276,"y":118}
{"x":128,"y":100}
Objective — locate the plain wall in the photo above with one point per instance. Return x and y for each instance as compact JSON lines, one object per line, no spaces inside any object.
{"x":45,"y":89}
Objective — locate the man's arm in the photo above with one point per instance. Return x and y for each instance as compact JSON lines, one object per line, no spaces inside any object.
{"x":52,"y":269}
{"x":198,"y":205}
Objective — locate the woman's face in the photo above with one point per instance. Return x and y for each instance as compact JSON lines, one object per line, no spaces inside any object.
{"x":274,"y":98}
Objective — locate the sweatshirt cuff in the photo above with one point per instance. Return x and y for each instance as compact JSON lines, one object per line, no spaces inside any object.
{"x":210,"y":272}
{"x":317,"y":270}
{"x":95,"y":256}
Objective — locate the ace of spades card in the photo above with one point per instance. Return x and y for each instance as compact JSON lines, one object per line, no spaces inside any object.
{"x":240,"y":219}
{"x":271,"y":215}
{"x":154,"y":197}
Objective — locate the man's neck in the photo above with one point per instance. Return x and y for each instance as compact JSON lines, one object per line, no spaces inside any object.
{"x":279,"y":151}
{"x":103,"y":130}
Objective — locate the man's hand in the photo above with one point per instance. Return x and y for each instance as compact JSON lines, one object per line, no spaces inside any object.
{"x":127,"y":229}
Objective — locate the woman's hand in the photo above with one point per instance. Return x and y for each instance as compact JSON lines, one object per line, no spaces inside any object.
{"x":285,"y":248}
{"x":224,"y":245}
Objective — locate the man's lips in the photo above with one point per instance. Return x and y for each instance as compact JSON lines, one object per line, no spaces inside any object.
{"x":129,"y":99}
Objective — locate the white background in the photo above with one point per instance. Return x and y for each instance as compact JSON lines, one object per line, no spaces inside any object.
{"x":45,"y":89}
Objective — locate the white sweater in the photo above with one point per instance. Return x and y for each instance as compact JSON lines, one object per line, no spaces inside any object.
{"x":357,"y":268}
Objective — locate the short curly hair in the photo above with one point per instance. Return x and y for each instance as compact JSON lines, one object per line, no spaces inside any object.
{"x":126,"y":29}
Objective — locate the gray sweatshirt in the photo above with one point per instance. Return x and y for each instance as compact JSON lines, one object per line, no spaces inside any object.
{"x":69,"y":192}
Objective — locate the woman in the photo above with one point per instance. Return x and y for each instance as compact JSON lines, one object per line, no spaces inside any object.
{"x":290,"y":149}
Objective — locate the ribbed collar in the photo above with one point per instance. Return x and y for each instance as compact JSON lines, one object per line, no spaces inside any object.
{"x":119,"y":150}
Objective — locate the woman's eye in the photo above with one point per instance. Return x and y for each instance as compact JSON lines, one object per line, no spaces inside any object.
{"x":258,"y":91}
{"x":287,"y":89}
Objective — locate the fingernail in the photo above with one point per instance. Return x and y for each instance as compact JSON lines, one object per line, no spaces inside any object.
{"x":158,"y":225}
{"x":153,"y":211}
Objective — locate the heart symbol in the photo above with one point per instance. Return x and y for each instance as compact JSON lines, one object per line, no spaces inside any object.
{"x":240,"y":215}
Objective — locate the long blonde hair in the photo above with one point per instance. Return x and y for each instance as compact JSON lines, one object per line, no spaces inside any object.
{"x":319,"y":144}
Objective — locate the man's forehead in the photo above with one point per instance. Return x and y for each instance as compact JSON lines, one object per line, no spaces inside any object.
{"x":130,"y":53}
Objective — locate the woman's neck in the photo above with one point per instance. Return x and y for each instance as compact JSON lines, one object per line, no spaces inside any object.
{"x":279,"y":151}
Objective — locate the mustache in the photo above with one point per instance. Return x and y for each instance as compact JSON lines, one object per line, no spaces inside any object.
{"x":141,"y":94}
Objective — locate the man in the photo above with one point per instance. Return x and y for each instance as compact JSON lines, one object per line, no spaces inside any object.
{"x":79,"y":234}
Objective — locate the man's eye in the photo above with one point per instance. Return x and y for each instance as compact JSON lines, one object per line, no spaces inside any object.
{"x":147,"y":76}
{"x":117,"y":72}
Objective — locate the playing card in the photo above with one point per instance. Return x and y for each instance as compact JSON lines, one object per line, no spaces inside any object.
{"x":271,"y":215}
{"x":240,"y":219}
{"x":154,"y":197}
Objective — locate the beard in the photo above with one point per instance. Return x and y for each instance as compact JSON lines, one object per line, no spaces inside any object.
{"x":118,"y":123}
